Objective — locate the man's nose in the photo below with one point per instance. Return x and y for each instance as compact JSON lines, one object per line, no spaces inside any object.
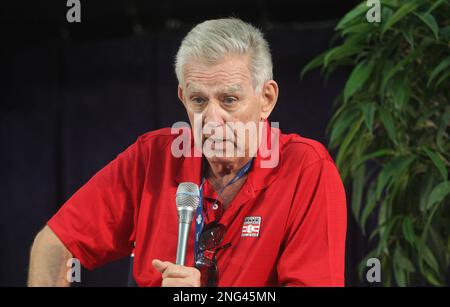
{"x":214,"y":114}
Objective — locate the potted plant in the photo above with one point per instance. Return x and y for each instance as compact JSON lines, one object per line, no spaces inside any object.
{"x":390,"y":128}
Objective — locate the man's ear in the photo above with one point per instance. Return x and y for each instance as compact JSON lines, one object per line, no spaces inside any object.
{"x":269,"y":96}
{"x":181,"y":94}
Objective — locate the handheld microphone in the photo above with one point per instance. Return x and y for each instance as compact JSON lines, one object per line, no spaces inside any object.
{"x":187,"y":200}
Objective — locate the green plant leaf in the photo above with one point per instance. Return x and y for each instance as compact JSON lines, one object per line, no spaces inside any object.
{"x":357,"y":78}
{"x":402,"y":91}
{"x":368,"y":208}
{"x":444,"y":33}
{"x":408,"y":230}
{"x":431,"y":277}
{"x":442,"y":78}
{"x":340,"y":52}
{"x":337,"y":114}
{"x":448,"y":245}
{"x":358,"y":10}
{"x":437,"y":161}
{"x":314,"y":63}
{"x":444,"y":122}
{"x":357,"y":39}
{"x":441,"y":67}
{"x":346,"y":142}
{"x":402,"y":260}
{"x":436,"y":244}
{"x":429,"y":20}
{"x":423,"y":237}
{"x":436,"y":5}
{"x":388,"y":123}
{"x":393,"y":168}
{"x":438,"y":194}
{"x":399,"y":274}
{"x":333,"y":66}
{"x":385,"y":229}
{"x":369,"y":114}
{"x":426,"y":259}
{"x":396,"y":68}
{"x":399,"y":14}
{"x":341,"y":124}
{"x":429,"y":258}
{"x":426,"y":186}
{"x":376,"y":154}
{"x":358,"y":28}
{"x":409,"y":37}
{"x":391,"y":4}
{"x":386,"y":264}
{"x":382,"y":226}
{"x":357,"y":190}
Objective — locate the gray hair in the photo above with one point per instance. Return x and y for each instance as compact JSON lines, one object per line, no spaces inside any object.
{"x":211,"y":40}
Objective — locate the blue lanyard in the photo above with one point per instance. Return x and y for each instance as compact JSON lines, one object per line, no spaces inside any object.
{"x":200,"y":219}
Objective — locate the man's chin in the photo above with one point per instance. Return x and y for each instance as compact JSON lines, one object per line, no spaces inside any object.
{"x":221,"y":159}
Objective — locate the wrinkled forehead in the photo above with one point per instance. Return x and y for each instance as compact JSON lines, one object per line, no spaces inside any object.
{"x":194,"y":88}
{"x":229,"y":74}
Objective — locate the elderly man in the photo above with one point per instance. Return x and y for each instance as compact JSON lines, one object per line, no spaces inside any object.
{"x":272,"y":217}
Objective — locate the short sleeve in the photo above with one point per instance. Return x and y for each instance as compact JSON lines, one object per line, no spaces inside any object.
{"x":97,"y":223}
{"x":313,"y":251}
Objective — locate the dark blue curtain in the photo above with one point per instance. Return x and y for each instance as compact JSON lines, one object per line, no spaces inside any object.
{"x":68,"y":108}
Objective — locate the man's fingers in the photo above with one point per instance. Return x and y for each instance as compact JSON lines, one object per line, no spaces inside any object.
{"x":176,"y":271}
{"x":174,"y":275}
{"x":159,"y":265}
{"x":179,"y":282}
{"x":171,"y":270}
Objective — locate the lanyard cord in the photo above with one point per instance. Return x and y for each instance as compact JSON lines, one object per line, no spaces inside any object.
{"x":200,"y":220}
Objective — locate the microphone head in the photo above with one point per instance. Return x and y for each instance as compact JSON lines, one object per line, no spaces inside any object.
{"x":188,"y":196}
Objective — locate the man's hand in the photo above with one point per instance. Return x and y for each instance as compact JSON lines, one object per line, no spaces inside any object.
{"x":175,"y":275}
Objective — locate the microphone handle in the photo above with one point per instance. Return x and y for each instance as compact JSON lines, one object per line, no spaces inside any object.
{"x":183,"y":232}
{"x":185,"y":219}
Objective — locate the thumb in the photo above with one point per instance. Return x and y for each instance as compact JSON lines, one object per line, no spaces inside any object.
{"x":159,"y":265}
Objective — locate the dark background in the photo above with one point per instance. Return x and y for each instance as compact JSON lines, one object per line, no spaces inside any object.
{"x":73,"y":96}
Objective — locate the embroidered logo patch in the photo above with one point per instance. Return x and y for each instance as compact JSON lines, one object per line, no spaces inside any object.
{"x":251,"y":226}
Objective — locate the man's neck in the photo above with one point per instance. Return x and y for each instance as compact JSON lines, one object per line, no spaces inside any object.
{"x":220,"y":173}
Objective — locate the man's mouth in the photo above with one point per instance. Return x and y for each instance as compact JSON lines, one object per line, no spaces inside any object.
{"x":217,"y":140}
{"x":220,"y":140}
{"x":220,"y":144}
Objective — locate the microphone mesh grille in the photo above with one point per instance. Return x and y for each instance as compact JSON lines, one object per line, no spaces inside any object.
{"x":188,"y":195}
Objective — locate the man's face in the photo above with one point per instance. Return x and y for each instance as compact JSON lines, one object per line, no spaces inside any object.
{"x":224,"y":96}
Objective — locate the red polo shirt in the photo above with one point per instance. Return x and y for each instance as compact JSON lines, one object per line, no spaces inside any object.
{"x":286,"y":225}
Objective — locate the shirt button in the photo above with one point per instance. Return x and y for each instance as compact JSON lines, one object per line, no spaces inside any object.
{"x":215,"y":206}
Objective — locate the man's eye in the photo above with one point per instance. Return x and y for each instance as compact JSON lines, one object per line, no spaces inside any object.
{"x":230,"y":100}
{"x":197,"y":100}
